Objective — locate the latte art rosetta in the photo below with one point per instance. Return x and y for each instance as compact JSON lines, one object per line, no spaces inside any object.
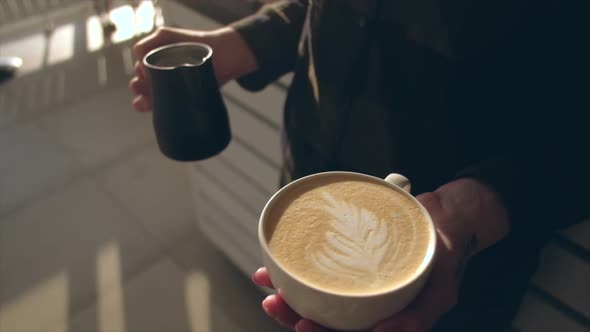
{"x":356,"y":244}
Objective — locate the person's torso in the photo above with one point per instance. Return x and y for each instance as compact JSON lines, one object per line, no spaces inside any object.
{"x":399,"y":86}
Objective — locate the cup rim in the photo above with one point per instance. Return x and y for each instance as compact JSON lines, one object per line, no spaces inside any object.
{"x":157,"y":49}
{"x":422,"y":269}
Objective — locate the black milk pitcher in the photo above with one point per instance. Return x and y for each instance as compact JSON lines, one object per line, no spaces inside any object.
{"x":190,"y":119}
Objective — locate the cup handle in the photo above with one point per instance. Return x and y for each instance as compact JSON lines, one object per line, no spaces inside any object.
{"x":399,"y":181}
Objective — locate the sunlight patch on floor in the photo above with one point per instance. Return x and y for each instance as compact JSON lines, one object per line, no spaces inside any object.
{"x":111,"y":314}
{"x":46,"y":301}
{"x":198,"y":296}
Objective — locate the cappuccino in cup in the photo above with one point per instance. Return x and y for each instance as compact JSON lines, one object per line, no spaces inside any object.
{"x":347,"y":250}
{"x":348,"y":235}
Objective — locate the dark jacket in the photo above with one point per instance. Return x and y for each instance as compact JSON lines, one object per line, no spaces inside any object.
{"x":436,"y":90}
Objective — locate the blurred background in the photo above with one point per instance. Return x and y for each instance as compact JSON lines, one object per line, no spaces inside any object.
{"x":100,"y":232}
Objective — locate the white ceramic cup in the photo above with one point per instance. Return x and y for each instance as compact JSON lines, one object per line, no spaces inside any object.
{"x":344,"y":311}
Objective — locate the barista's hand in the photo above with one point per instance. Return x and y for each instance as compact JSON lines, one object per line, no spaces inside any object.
{"x":232,"y":58}
{"x":453,"y":208}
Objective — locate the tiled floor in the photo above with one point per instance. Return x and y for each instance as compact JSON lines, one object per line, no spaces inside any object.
{"x":97,"y":231}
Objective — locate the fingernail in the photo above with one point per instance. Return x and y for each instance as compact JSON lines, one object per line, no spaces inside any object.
{"x":255,"y":274}
{"x":267,"y":307}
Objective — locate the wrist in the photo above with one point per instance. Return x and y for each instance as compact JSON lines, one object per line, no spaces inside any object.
{"x":481,"y":216}
{"x":233,"y":57}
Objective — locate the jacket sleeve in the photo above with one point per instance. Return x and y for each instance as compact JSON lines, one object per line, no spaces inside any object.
{"x":543,"y":175}
{"x":541,"y":193}
{"x":272,"y":34}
